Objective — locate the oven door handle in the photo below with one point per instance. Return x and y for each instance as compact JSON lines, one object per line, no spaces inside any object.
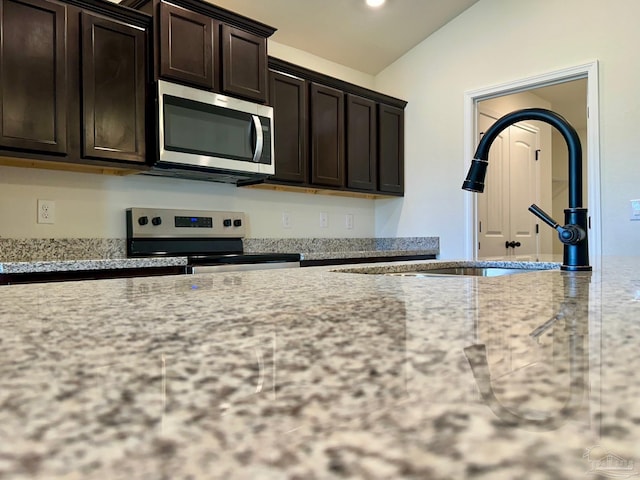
{"x":257,"y":152}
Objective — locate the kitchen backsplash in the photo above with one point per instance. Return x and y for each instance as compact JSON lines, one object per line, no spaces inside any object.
{"x":52,"y":249}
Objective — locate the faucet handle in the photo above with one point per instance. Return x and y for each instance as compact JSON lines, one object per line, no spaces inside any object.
{"x":568,"y":234}
{"x":542,"y":215}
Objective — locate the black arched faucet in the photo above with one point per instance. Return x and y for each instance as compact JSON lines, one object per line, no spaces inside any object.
{"x":574,"y":233}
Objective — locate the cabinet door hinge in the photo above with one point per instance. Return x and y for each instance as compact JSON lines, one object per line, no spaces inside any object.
{"x":537,"y":155}
{"x":480,"y":227}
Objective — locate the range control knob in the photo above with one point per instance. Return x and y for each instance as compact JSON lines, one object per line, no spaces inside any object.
{"x":226,"y":222}
{"x":237,"y":222}
{"x":143,"y":220}
{"x":156,"y":221}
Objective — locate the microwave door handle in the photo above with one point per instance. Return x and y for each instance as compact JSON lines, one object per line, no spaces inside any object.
{"x":259,"y":139}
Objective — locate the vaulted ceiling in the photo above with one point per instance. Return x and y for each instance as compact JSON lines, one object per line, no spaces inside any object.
{"x":347,"y":31}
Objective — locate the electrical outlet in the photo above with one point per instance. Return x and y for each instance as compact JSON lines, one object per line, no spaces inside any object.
{"x":348,"y":221}
{"x":46,"y":211}
{"x":286,"y":220}
{"x":324,"y":220}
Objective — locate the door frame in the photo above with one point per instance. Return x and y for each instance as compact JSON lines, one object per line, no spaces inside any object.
{"x":587,"y":70}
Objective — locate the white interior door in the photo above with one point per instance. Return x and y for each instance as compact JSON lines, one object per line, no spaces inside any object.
{"x":493,"y":204}
{"x":524,"y":188}
{"x":511,"y":185}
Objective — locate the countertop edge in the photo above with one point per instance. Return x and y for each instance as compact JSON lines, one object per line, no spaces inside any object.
{"x":124,"y":263}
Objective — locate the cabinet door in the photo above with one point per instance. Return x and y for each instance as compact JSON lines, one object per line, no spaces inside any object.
{"x":188,"y":46}
{"x":288,"y":97}
{"x":327,"y":136}
{"x":361,"y":143}
{"x":244,"y":64}
{"x":113,"y":90}
{"x":33,"y":93}
{"x":391,"y":149}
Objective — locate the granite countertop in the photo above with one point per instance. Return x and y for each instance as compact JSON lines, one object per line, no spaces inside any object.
{"x":356,"y":254}
{"x":62,"y":255}
{"x":312,"y":249}
{"x":40,"y":266}
{"x":318,"y":374}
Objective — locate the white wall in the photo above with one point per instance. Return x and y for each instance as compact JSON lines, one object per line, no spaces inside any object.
{"x":498,"y":41}
{"x":319,"y":64}
{"x":92,"y":206}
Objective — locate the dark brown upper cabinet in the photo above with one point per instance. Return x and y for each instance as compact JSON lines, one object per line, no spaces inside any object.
{"x":355,"y":135}
{"x":244,"y":64}
{"x":288,"y":97}
{"x":326,"y":107}
{"x":188,"y":46}
{"x":73,"y":84}
{"x":113,"y":90}
{"x":391,"y":149}
{"x":206,"y":46}
{"x":33,"y":94}
{"x":361,"y":143}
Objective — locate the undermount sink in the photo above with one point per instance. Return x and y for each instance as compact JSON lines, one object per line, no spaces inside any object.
{"x":486,"y":268}
{"x":464,"y":271}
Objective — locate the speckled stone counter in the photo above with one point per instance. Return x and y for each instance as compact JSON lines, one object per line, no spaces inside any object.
{"x":60,"y":249}
{"x":84,"y":265}
{"x":346,"y":248}
{"x":86,"y":254}
{"x":72,"y":254}
{"x":317,"y":374}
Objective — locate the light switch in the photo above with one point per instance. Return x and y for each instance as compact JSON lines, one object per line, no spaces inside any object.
{"x":635,"y":209}
{"x":348,"y":220}
{"x":286,"y":220}
{"x":324,"y":220}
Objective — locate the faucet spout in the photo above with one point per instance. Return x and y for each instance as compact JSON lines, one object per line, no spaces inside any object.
{"x":576,"y":251}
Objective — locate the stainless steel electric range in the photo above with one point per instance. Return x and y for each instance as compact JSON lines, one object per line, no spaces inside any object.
{"x":211,"y":240}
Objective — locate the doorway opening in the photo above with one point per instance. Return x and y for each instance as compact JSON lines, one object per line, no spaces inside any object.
{"x":571,"y":92}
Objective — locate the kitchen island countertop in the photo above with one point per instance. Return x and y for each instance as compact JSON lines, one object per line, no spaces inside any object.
{"x":315,"y":373}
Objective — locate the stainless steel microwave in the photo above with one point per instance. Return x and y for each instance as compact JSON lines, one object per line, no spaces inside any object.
{"x":208,"y":136}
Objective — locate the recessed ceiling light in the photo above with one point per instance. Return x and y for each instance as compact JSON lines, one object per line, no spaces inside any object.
{"x":375,"y":3}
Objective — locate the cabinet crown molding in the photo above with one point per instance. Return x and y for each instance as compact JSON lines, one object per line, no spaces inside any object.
{"x":283,"y":66}
{"x":213,"y":11}
{"x":114,"y":11}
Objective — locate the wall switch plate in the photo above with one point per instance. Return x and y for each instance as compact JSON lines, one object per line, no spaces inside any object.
{"x":286,"y":220}
{"x":348,"y":221}
{"x":635,"y":209}
{"x":324,"y":220}
{"x":46,"y":211}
